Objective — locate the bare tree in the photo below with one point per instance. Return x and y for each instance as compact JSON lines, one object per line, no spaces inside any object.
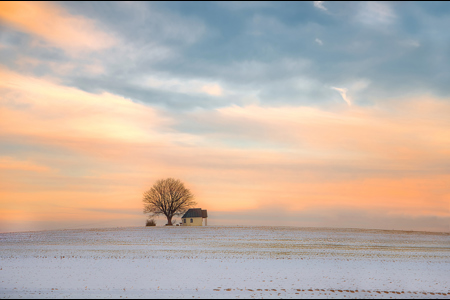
{"x":168,"y":197}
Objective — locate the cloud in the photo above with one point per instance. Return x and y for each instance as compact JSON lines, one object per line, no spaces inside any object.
{"x":244,"y":5}
{"x":318,"y":41}
{"x":337,"y":217}
{"x":212,"y":89}
{"x":77,"y":114}
{"x":343,"y":92}
{"x":10,"y":163}
{"x":410,"y":43}
{"x":399,"y":136}
{"x":55,"y":26}
{"x":157,"y":26}
{"x":375,"y":13}
{"x":360,"y":85}
{"x":191,"y":86}
{"x":86,"y":68}
{"x":319,"y":4}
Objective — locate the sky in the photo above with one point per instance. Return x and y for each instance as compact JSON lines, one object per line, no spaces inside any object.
{"x":314,"y":114}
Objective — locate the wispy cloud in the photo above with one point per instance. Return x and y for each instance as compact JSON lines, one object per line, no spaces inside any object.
{"x":343,"y":92}
{"x":10,"y":163}
{"x":86,"y":68}
{"x":319,"y":4}
{"x":410,"y":43}
{"x":375,"y":13}
{"x":162,"y":26}
{"x":191,"y":86}
{"x":318,"y":41}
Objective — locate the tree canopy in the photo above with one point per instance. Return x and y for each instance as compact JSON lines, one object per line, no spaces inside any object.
{"x":168,"y":197}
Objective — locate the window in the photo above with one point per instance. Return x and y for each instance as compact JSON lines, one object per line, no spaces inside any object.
{"x":184,"y":220}
{"x":192,"y":221}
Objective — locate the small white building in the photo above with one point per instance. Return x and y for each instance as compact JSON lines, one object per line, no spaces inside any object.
{"x":194,"y":217}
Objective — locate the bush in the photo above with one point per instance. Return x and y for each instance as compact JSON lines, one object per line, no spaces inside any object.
{"x":150,"y":222}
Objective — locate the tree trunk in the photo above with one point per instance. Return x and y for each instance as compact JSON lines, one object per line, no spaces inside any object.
{"x":169,"y":221}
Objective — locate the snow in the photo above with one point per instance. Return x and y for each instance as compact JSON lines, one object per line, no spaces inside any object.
{"x":224,"y":262}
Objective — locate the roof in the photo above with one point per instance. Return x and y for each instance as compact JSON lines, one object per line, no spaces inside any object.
{"x":195,"y":213}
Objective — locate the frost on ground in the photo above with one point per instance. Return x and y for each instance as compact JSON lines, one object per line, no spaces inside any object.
{"x":224,"y":262}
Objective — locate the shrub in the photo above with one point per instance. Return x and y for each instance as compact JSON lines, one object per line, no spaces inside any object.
{"x":150,"y":222}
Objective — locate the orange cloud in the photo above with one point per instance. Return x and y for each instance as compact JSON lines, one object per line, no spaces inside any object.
{"x":55,"y":26}
{"x":9,"y":163}
{"x":53,"y":112}
{"x":401,"y":134}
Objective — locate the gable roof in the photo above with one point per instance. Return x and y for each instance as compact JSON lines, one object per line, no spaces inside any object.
{"x":195,"y":213}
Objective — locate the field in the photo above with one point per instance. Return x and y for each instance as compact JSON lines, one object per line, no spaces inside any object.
{"x":224,"y":262}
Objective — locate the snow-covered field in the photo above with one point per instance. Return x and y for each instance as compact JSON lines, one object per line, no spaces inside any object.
{"x":224,"y":262}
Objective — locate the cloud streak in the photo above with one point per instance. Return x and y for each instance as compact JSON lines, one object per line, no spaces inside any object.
{"x":343,"y":93}
{"x":376,"y":13}
{"x":77,"y":113}
{"x":56,"y":26}
{"x":9,"y":163}
{"x":319,"y":5}
{"x":184,"y":86}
